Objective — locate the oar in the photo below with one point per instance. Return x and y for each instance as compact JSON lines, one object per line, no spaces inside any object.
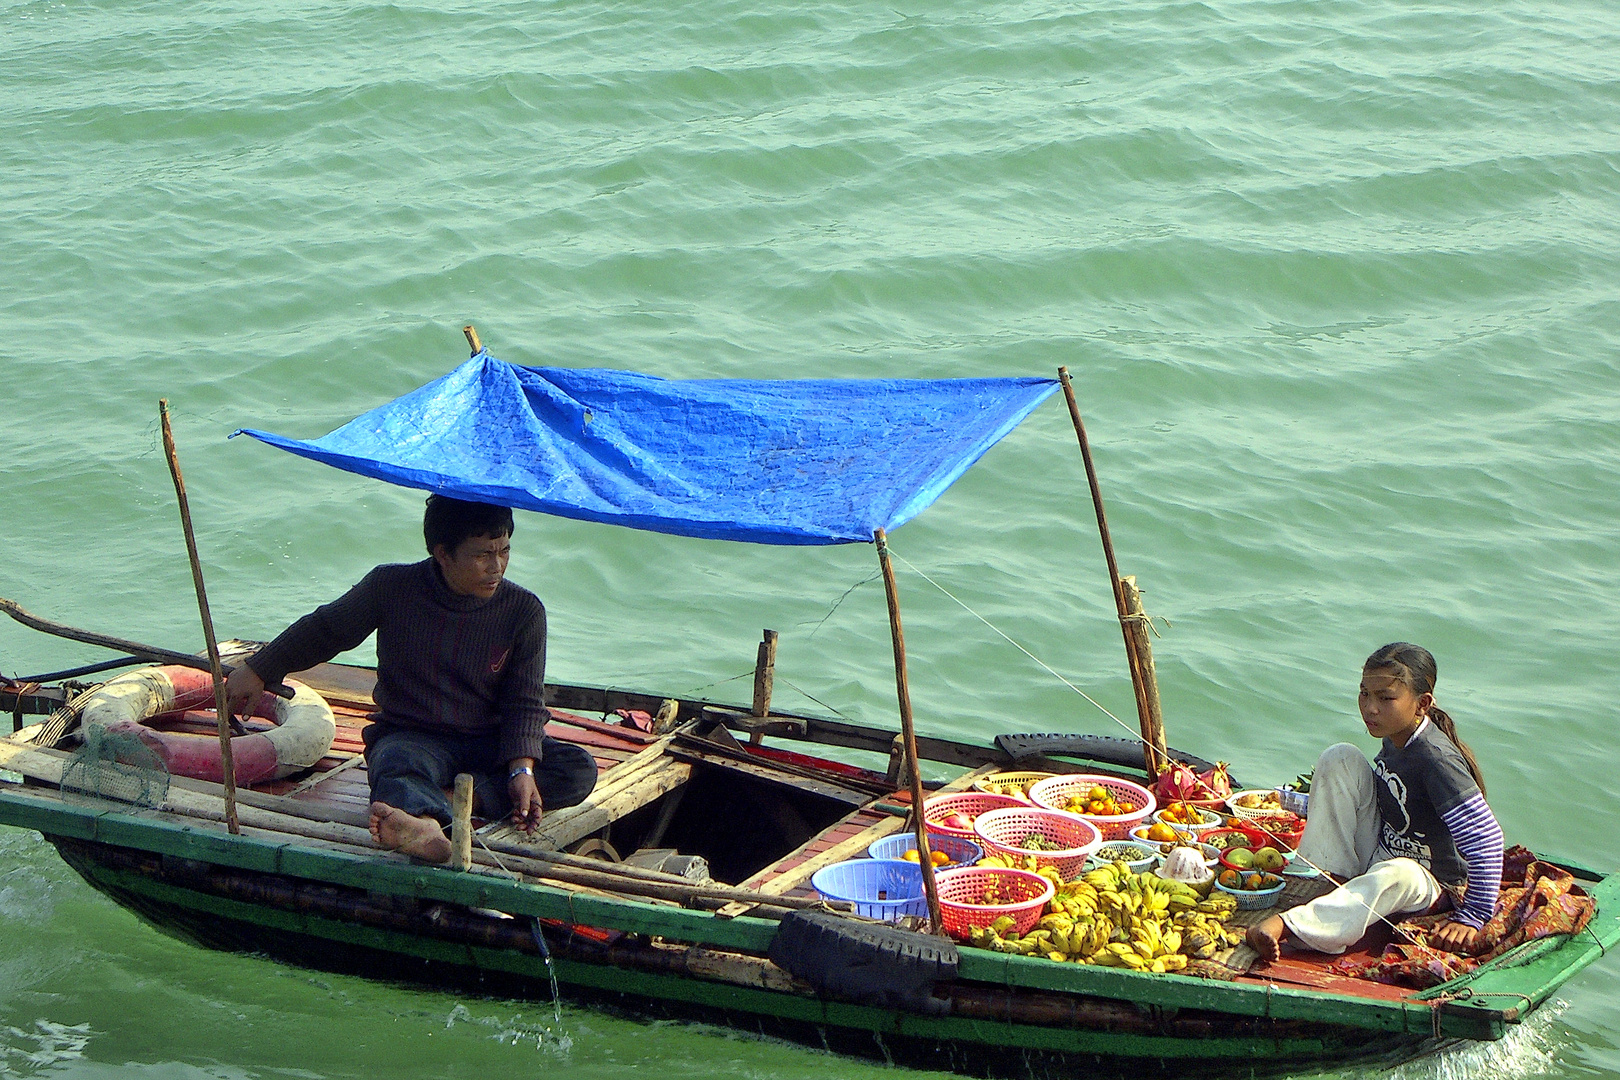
{"x":106,"y":641}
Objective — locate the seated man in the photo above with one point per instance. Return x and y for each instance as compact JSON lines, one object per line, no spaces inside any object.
{"x":461,"y":660}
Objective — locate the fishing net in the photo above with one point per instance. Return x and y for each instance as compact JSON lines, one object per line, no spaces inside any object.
{"x":116,"y":765}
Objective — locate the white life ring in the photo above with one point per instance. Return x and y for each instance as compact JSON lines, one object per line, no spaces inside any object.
{"x":303,"y":733}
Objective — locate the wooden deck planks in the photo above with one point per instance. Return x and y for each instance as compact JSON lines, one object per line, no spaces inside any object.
{"x":1307,"y":969}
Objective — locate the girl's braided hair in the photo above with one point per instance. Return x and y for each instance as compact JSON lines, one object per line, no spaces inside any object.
{"x":1413,"y":666}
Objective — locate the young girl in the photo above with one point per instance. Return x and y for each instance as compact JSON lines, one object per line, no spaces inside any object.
{"x":1403,"y":834}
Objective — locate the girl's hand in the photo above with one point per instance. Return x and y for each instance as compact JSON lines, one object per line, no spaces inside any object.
{"x":1456,"y":937}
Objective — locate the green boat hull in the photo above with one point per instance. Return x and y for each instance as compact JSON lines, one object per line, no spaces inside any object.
{"x":337,"y":909}
{"x":338,"y":941}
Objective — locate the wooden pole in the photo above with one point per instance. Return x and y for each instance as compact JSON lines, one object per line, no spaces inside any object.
{"x":461,"y":823}
{"x":222,"y":709}
{"x":1138,"y":683}
{"x":1154,"y":736}
{"x":472,"y":339}
{"x":764,"y":680}
{"x":106,"y":641}
{"x":909,"y":733}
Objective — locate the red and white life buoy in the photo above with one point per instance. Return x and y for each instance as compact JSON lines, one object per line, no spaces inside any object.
{"x":303,"y":733}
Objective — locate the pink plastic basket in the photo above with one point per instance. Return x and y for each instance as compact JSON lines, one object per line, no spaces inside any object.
{"x":971,"y":803}
{"x":1075,"y":837}
{"x":1018,"y":893}
{"x":1055,"y":792}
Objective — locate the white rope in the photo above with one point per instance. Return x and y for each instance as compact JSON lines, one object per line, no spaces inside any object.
{"x":1134,"y":734}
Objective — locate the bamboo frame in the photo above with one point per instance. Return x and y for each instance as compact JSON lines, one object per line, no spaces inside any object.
{"x":1152,"y":730}
{"x":908,"y":732}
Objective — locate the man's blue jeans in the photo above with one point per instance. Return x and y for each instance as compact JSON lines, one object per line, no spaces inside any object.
{"x":409,"y":770}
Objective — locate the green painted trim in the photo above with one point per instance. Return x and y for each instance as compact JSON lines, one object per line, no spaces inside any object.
{"x":377,"y":874}
{"x":1239,"y":999}
{"x":721,"y":995}
{"x":1522,"y":983}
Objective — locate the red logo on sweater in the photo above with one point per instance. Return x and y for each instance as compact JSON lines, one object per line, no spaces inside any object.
{"x":499,"y":662}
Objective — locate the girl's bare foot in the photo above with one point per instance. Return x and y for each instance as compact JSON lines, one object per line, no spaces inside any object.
{"x":396,"y":830}
{"x":1266,"y":938}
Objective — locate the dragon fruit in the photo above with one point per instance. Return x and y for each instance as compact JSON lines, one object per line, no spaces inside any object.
{"x":1215,"y":783}
{"x":1176,"y":784}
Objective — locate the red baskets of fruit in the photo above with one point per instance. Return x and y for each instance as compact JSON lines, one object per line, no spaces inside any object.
{"x":1056,"y":839}
{"x":979,"y":895}
{"x":953,"y":815}
{"x":1076,"y":793}
{"x":1283,"y":830}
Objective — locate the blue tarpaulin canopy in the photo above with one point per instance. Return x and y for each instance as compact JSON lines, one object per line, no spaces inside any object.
{"x":772,"y":462}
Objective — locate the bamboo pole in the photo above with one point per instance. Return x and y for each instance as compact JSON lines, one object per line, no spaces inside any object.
{"x":461,"y":830}
{"x":222,"y":709}
{"x":764,"y":681}
{"x":1144,"y":658}
{"x":472,"y":339}
{"x":1138,"y":682}
{"x":909,"y":732}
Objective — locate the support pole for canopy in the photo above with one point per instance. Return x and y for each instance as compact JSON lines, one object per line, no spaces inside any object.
{"x":221,"y":709}
{"x":1152,"y":728}
{"x":1144,"y":659}
{"x":472,"y":339}
{"x":908,"y":732}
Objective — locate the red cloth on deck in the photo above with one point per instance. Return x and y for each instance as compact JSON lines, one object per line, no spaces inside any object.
{"x":1537,"y":901}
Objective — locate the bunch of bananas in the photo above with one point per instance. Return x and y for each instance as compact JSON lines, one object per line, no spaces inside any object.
{"x":1026,"y":862}
{"x":1115,"y":918}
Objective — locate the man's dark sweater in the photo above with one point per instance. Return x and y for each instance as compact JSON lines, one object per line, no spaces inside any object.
{"x":446,"y":663}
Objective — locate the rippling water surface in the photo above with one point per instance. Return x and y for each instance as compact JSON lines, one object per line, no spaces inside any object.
{"x":1337,"y":283}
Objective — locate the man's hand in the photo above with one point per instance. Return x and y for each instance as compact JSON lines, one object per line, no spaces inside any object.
{"x":242,"y":690}
{"x":1456,"y":937}
{"x":525,"y":794}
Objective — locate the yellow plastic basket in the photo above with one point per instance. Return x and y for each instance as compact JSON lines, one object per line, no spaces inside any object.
{"x":1016,"y":784}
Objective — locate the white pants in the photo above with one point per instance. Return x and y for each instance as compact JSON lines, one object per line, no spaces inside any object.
{"x":1341,"y":838}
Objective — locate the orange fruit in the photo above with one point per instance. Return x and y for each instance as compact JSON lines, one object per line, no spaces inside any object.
{"x":939,"y":858}
{"x":1097,"y":793}
{"x":1229,"y":878}
{"x":1252,"y":882}
{"x":912,"y":856}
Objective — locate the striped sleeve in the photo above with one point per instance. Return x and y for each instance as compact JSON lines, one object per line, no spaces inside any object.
{"x":1479,"y":841}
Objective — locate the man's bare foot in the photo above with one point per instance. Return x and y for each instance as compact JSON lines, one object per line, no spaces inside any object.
{"x":396,"y":830}
{"x":1266,"y":938}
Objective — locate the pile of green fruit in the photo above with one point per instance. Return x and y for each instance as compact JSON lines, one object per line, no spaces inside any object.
{"x":1266,"y":858}
{"x":1115,"y":918}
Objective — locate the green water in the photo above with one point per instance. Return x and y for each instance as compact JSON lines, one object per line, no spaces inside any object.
{"x":1337,"y":282}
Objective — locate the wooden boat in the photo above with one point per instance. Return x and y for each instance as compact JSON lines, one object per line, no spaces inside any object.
{"x":303,"y":883}
{"x":760,"y":797}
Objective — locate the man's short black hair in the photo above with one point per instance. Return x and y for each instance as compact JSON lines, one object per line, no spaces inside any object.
{"x":450,"y":521}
